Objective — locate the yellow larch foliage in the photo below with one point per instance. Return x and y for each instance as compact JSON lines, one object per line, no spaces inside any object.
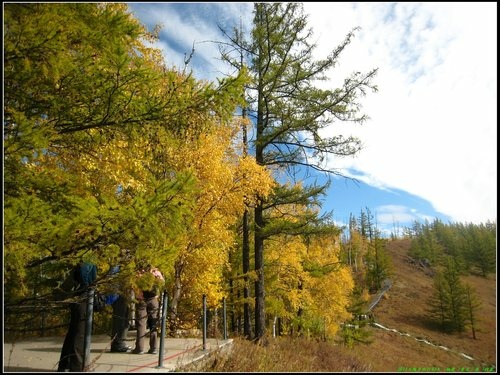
{"x":116,"y":164}
{"x":226,"y":180}
{"x":331,"y":283}
{"x":285,"y":274}
{"x":305,"y":280}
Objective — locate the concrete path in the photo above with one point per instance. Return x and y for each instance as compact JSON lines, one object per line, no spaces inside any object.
{"x":41,"y":354}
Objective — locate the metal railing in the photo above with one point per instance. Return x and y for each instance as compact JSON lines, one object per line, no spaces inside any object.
{"x":33,"y":318}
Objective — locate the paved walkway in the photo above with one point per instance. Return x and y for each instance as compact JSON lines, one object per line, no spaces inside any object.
{"x":41,"y":354}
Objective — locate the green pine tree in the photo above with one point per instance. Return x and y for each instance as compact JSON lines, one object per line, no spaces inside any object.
{"x":472,"y":306}
{"x":290,"y":111}
{"x":451,"y":303}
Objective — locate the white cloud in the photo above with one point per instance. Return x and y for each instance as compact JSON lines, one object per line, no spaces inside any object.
{"x":395,"y":215}
{"x":432,"y":131}
{"x":433,"y":122}
{"x":181,"y":28}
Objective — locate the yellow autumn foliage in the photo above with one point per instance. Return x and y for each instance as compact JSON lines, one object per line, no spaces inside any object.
{"x":306,"y":275}
{"x":226,"y":180}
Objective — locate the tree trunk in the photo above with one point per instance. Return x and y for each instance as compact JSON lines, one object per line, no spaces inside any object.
{"x":247,"y":332}
{"x":260,"y":313}
{"x":300,"y":312}
{"x":176,"y":295}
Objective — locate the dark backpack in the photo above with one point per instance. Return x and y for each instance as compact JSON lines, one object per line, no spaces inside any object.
{"x":78,"y":281}
{"x":85,"y":274}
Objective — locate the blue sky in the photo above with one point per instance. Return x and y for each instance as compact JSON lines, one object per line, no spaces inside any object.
{"x":429,"y":147}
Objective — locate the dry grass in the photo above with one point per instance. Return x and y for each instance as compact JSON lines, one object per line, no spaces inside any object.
{"x":285,"y":355}
{"x":404,"y":309}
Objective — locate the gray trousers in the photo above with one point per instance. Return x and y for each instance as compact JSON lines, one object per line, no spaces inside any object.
{"x":148,"y":314}
{"x":119,"y":329}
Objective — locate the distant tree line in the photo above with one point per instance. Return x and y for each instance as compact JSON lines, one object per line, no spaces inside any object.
{"x":471,"y":246}
{"x":453,"y":250}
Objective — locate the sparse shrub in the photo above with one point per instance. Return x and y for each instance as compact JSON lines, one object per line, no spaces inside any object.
{"x":353,"y":333}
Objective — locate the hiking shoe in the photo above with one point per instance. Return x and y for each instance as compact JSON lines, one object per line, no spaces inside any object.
{"x":136,"y":351}
{"x":152,"y":351}
{"x":120,"y":349}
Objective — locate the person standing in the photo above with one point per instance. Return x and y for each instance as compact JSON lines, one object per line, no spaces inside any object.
{"x":147,"y":309}
{"x":119,"y":330}
{"x":76,"y":286}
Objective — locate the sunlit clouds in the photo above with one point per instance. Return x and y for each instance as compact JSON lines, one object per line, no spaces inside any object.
{"x":432,"y":127}
{"x":432,"y":124}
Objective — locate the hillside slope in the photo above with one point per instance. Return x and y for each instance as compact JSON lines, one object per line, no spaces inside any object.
{"x":404,"y":309}
{"x":401,"y":310}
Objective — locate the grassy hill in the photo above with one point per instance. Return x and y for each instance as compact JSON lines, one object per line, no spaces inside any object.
{"x":402,"y":309}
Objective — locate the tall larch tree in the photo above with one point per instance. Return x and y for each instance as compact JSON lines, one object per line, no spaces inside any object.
{"x":224,"y":177}
{"x":450,"y":303}
{"x":472,"y":306}
{"x":290,"y":111}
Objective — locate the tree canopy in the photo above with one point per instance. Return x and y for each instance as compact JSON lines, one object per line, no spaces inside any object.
{"x":93,"y":117}
{"x":113,"y":156}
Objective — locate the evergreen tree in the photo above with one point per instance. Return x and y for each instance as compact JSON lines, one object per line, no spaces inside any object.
{"x":354,"y":330}
{"x":368,"y":242}
{"x":364,"y":224}
{"x":451,"y":304}
{"x":456,"y":297}
{"x":472,"y":305}
{"x":378,"y":263}
{"x":438,"y":302}
{"x":481,"y":251}
{"x":290,"y":111}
